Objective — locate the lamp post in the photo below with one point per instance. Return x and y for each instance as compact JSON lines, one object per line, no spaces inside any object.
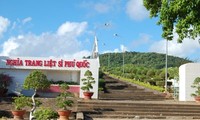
{"x":108,"y":60}
{"x":166,"y":69}
{"x":107,"y":25}
{"x":116,"y":35}
{"x":123,"y":59}
{"x":108,"y":56}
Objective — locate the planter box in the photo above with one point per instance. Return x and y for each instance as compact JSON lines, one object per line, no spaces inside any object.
{"x":54,"y":90}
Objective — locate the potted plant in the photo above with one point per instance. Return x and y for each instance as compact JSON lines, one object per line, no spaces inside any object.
{"x":196,"y":85}
{"x":87,"y":85}
{"x":5,"y":81}
{"x":19,"y":104}
{"x":63,"y":102}
{"x":35,"y":80}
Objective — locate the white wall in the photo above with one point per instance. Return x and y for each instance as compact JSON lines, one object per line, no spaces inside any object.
{"x":187,"y":73}
{"x":64,"y":75}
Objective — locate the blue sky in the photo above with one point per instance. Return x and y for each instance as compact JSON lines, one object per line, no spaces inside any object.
{"x":66,"y":28}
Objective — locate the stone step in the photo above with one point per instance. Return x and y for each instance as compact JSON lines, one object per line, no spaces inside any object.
{"x":131,"y":109}
{"x":131,"y":117}
{"x":167,"y":113}
{"x":139,"y":110}
{"x":126,"y":117}
{"x":122,"y":95}
{"x":151,"y":118}
{"x":110,"y":81}
{"x":141,"y":103}
{"x":134,"y":96}
{"x":134,"y":99}
{"x":129,"y":92}
{"x":144,"y":107}
{"x":114,"y":88}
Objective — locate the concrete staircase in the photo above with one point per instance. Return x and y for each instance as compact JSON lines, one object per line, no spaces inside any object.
{"x":128,"y":101}
{"x":118,"y":90}
{"x":96,"y":109}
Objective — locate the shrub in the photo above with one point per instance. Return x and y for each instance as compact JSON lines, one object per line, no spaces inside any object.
{"x":62,"y":100}
{"x":101,"y":84}
{"x":196,"y":85}
{"x":62,"y":82}
{"x":45,"y":114}
{"x":101,"y":74}
{"x":21,"y":102}
{"x":5,"y":80}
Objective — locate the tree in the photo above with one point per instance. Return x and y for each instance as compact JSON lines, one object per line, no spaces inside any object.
{"x":150,"y":73}
{"x":183,"y":15}
{"x":173,"y":72}
{"x":162,"y":75}
{"x":35,"y":80}
{"x":88,"y":81}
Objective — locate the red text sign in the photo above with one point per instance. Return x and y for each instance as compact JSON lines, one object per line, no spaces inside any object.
{"x":48,"y":63}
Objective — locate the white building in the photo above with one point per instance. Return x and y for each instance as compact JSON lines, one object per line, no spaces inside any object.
{"x":187,"y":73}
{"x":70,"y":70}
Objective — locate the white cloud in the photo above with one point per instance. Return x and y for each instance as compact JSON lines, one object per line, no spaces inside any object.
{"x":143,"y":40}
{"x":80,"y":54}
{"x":13,"y":25}
{"x":136,"y":10}
{"x":185,"y":49}
{"x":4,"y":23}
{"x":28,"y":19}
{"x":64,"y":44}
{"x":101,"y":8}
{"x":9,"y":46}
{"x":72,"y":28}
{"x":117,"y":50}
{"x":123,"y":48}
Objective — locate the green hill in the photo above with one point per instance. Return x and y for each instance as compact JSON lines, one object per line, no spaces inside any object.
{"x":150,"y":60}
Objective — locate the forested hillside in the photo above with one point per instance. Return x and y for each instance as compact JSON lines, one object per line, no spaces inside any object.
{"x":152,"y":60}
